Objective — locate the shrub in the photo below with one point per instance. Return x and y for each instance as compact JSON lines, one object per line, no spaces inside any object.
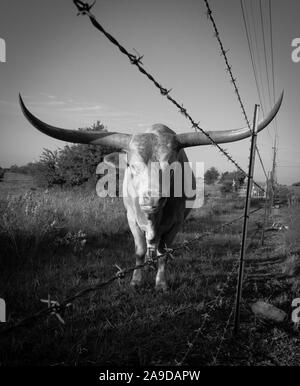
{"x":231,"y":181}
{"x":282,"y":194}
{"x":226,"y":187}
{"x":211,"y":175}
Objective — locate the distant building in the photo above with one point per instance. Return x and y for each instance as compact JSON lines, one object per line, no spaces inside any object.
{"x":256,"y":191}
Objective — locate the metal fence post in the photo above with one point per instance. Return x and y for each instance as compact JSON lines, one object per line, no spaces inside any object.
{"x":245,"y":224}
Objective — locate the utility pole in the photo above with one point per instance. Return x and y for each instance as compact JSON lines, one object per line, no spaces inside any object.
{"x":267,"y":209}
{"x":273,"y":175}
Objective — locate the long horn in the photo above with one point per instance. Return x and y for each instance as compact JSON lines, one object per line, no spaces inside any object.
{"x":111,"y":139}
{"x":197,"y":139}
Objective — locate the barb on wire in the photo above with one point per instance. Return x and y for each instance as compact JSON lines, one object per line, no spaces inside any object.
{"x":120,"y":274}
{"x":54,"y":307}
{"x":169,"y":252}
{"x":83,"y":8}
{"x":134,"y":60}
{"x":223,"y":335}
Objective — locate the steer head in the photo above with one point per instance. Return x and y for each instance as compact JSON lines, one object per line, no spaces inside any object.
{"x":150,"y":162}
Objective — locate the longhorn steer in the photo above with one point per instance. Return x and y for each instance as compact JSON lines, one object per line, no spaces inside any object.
{"x":153,"y":218}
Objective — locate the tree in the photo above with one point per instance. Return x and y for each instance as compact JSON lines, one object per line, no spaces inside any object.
{"x":72,"y":165}
{"x":211,"y":175}
{"x":46,"y":171}
{"x":77,"y":163}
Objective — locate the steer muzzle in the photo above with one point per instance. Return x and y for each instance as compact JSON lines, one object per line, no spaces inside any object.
{"x":151,"y":204}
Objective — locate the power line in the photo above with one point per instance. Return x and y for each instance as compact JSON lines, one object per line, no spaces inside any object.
{"x":251,"y":56}
{"x":272,"y":61}
{"x":272,"y":51}
{"x":265,"y":51}
{"x":258,"y":52}
{"x":265,"y":54}
{"x":256,"y":80}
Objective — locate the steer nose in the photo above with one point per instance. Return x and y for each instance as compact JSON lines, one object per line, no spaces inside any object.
{"x":148,"y":200}
{"x":149,"y":203}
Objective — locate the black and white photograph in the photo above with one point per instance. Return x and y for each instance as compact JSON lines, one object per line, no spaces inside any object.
{"x":149,"y":187}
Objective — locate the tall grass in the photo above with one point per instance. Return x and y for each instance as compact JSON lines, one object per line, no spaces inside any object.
{"x":59,"y":241}
{"x":43,"y":216}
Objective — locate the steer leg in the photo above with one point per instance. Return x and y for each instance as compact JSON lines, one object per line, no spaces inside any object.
{"x":166,"y":241}
{"x":140,"y":251}
{"x":160,"y":280}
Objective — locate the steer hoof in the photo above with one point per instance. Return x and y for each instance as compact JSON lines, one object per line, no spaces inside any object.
{"x":161,"y":287}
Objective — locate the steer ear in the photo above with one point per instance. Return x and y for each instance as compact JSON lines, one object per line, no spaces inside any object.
{"x":117,"y":160}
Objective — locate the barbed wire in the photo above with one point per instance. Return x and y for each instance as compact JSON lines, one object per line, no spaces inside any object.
{"x":206,"y":316}
{"x":55,"y":308}
{"x":223,"y":335}
{"x":84,"y":9}
{"x":232,"y":78}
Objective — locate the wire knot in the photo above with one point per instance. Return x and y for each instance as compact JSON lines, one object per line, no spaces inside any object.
{"x":136,"y":60}
{"x":224,"y":52}
{"x":183,"y":111}
{"x":150,"y":258}
{"x":208,"y":13}
{"x":186,"y":245}
{"x":164,"y":91}
{"x":83,"y":8}
{"x":121,"y":272}
{"x":54,"y":307}
{"x":195,"y":125}
{"x":169,"y":252}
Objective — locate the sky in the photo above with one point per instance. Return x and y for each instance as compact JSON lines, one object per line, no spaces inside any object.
{"x":70,"y":75}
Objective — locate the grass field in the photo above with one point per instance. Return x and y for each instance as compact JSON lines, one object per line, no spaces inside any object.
{"x":60,"y":241}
